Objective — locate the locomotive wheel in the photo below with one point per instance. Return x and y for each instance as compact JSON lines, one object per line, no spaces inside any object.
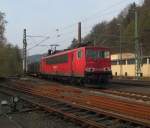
{"x":72,"y":81}
{"x":81,"y":81}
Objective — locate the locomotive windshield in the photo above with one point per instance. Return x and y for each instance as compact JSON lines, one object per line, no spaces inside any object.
{"x":97,"y":54}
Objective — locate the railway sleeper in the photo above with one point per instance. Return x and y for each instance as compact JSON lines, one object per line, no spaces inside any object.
{"x":104,"y":121}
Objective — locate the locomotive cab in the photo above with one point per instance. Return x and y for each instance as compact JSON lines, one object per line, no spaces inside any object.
{"x":98,"y":64}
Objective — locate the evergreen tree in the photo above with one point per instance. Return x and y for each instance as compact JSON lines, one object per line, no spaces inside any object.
{"x":10,"y":56}
{"x":109,"y":34}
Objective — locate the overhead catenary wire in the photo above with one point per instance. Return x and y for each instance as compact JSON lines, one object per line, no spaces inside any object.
{"x":91,"y":16}
{"x":105,"y":10}
{"x":95,"y":14}
{"x":33,"y":36}
{"x":72,"y":32}
{"x":98,"y":13}
{"x":38,"y":43}
{"x":82,"y":20}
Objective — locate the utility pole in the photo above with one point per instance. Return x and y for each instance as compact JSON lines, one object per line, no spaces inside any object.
{"x":120,"y":57}
{"x":79,"y":33}
{"x":24,"y":51}
{"x":137,"y":49}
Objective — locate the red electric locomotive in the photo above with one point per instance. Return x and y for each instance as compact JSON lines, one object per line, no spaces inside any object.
{"x":84,"y":64}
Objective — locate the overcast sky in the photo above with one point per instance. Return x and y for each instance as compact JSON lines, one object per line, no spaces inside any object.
{"x":44,"y":17}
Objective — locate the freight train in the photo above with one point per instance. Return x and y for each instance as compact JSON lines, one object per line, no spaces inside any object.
{"x":86,"y":64}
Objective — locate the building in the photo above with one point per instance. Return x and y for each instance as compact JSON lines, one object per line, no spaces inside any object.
{"x":126,"y":67}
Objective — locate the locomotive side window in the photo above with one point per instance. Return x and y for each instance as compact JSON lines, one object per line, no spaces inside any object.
{"x":57,"y":59}
{"x":79,"y":53}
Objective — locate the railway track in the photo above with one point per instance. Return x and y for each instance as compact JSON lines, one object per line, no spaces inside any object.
{"x":131,"y":82}
{"x":118,"y":109}
{"x":78,"y":114}
{"x":125,"y":94}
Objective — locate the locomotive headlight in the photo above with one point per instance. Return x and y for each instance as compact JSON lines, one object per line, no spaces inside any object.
{"x":89,"y":69}
{"x":97,"y":69}
{"x":107,"y":69}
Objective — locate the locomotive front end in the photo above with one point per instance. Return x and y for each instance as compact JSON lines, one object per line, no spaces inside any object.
{"x":98,"y":64}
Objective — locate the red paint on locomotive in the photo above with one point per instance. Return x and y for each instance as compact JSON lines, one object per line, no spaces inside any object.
{"x":80,"y":62}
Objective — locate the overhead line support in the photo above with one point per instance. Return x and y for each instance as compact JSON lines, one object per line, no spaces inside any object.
{"x":24,"y":51}
{"x":138,"y":57}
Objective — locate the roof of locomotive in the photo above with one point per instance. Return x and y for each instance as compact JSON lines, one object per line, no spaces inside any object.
{"x":71,"y":50}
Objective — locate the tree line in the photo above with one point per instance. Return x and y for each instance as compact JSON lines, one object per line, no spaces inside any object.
{"x":10,"y":56}
{"x":121,"y":29}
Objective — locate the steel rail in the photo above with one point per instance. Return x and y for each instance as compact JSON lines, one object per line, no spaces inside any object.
{"x":131,"y":82}
{"x":127,"y":94}
{"x":137,"y":110}
{"x":48,"y":106}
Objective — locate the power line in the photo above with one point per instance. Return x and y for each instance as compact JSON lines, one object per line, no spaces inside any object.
{"x":122,"y":1}
{"x":83,"y":20}
{"x":31,"y":36}
{"x":70,"y":32}
{"x":39,"y":43}
{"x":104,"y":10}
{"x":89,"y":17}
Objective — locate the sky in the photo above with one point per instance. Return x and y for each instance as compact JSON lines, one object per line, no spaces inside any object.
{"x":55,"y":21}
